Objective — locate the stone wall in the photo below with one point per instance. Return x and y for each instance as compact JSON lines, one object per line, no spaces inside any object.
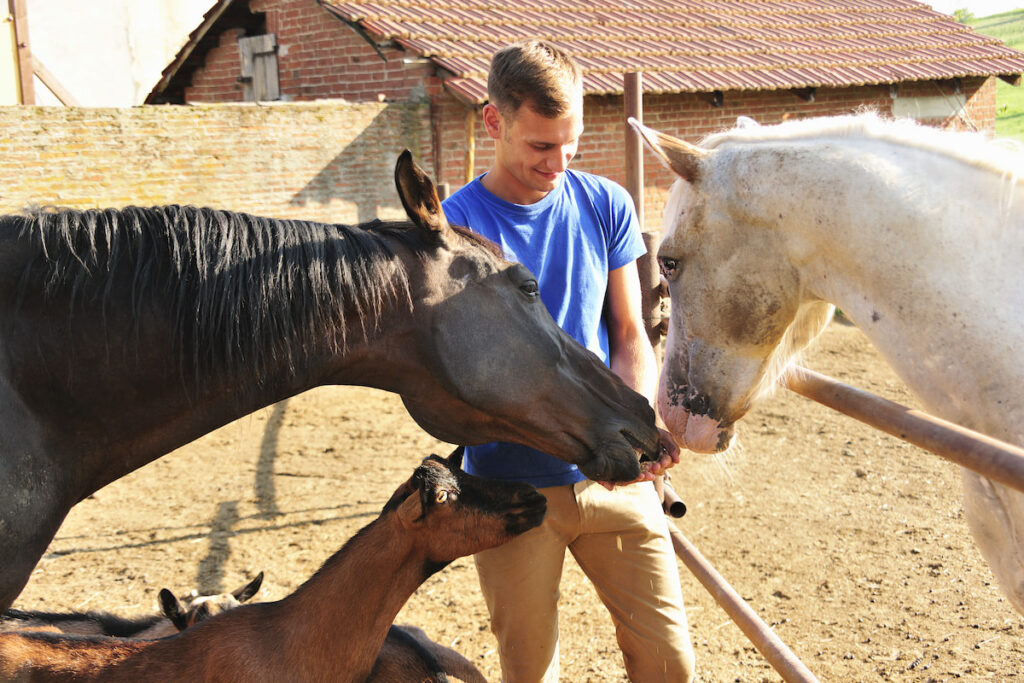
{"x":328,"y":160}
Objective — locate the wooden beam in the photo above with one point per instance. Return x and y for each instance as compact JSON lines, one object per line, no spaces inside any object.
{"x":209,"y":19}
{"x":647,"y":265}
{"x":25,"y":70}
{"x":470,"y":171}
{"x":633,"y":102}
{"x":760,"y":634}
{"x":51,"y":82}
{"x":989,"y":457}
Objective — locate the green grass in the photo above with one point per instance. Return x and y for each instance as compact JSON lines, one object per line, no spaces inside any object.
{"x":1009,"y":28}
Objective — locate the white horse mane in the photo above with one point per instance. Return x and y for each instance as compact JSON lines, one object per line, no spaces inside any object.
{"x":1000,"y":156}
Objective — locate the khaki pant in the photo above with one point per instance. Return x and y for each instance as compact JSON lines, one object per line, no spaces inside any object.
{"x":620,"y":540}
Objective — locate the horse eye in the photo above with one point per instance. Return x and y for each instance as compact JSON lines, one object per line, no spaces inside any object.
{"x":442,"y":496}
{"x":529,"y":288}
{"x":668,"y":266}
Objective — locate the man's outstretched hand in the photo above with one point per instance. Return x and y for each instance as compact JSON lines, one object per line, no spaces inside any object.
{"x":650,"y":469}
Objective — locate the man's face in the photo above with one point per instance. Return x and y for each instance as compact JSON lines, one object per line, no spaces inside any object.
{"x":532,"y":151}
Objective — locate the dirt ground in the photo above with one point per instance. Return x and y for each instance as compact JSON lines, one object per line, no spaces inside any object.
{"x":851,"y":544}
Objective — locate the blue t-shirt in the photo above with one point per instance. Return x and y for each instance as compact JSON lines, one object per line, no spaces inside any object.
{"x":570,"y":240}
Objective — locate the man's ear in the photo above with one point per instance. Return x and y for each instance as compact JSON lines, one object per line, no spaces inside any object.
{"x":492,"y":120}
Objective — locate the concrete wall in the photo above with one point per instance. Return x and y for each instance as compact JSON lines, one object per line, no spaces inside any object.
{"x":330,"y":161}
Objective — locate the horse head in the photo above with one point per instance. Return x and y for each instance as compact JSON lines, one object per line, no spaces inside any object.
{"x":501,"y":368}
{"x":738,"y":313}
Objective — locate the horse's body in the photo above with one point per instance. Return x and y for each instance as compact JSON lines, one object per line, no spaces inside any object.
{"x":916,"y":234}
{"x":125,"y":334}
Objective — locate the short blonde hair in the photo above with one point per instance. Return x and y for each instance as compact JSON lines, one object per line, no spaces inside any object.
{"x":535,"y":73}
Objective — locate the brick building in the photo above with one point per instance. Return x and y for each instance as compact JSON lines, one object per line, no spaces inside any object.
{"x":704,"y":63}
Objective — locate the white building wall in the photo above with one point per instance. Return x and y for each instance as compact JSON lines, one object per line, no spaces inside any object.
{"x":108,"y":53}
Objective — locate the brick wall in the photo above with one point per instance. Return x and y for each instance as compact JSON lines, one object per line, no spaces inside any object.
{"x":330,"y":161}
{"x":318,"y":57}
{"x":690,"y":116}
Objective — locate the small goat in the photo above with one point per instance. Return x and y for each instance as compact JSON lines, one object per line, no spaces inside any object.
{"x":334,"y":625}
{"x":175,"y":616}
{"x":205,"y":606}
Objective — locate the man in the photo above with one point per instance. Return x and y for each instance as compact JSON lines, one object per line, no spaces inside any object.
{"x":579,"y":236}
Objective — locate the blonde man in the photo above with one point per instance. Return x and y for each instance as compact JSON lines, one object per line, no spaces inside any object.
{"x":579,"y":236}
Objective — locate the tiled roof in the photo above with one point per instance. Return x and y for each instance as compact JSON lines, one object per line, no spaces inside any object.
{"x":694,"y":45}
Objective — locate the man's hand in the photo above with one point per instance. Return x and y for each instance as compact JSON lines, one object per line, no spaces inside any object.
{"x":650,"y":469}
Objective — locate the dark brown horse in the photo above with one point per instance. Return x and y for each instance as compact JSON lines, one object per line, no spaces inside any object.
{"x":125,"y":334}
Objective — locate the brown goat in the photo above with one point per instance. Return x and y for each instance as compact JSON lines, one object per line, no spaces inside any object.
{"x":203,"y":607}
{"x":334,"y":625}
{"x":409,"y":655}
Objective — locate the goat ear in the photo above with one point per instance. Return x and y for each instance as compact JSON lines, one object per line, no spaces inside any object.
{"x":455,"y":457}
{"x":418,"y":195}
{"x":410,"y":512}
{"x":680,"y":156}
{"x":248,"y":590}
{"x":400,"y":494}
{"x":172,"y":609}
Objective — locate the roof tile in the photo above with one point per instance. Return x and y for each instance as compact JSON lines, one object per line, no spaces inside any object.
{"x":695,"y":45}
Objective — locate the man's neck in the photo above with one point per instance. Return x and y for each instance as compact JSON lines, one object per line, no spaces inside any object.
{"x":505,"y":187}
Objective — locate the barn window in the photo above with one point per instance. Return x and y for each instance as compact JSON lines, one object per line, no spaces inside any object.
{"x":259,"y":68}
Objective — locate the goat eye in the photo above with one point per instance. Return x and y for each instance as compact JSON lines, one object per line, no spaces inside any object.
{"x":668,"y":267}
{"x":442,"y":496}
{"x":529,"y":288}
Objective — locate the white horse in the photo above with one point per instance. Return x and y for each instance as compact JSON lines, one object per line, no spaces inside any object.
{"x":915,"y":233}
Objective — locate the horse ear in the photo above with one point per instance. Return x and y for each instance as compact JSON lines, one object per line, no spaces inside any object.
{"x":678,"y":155}
{"x":248,"y":590}
{"x":173,"y":610}
{"x":419,"y":196}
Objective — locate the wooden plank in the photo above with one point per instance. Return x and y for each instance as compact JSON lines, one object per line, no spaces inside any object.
{"x":759,"y":633}
{"x":632,"y":84}
{"x":265,"y":82}
{"x":55,"y":86}
{"x":245,"y":57}
{"x":470,"y":144}
{"x":647,"y":265}
{"x":990,"y":457}
{"x":263,"y":44}
{"x":260,"y":79}
{"x":25,"y":70}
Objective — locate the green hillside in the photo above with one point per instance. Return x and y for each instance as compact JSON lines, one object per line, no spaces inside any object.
{"x":1008,"y":27}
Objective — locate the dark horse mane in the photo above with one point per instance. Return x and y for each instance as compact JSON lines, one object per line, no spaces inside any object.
{"x":239,"y":291}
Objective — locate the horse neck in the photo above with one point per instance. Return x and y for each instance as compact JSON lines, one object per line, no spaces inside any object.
{"x":345,"y":609}
{"x":941,"y":305}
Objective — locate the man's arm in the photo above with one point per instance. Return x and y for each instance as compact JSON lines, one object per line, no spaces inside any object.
{"x":631,"y":355}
